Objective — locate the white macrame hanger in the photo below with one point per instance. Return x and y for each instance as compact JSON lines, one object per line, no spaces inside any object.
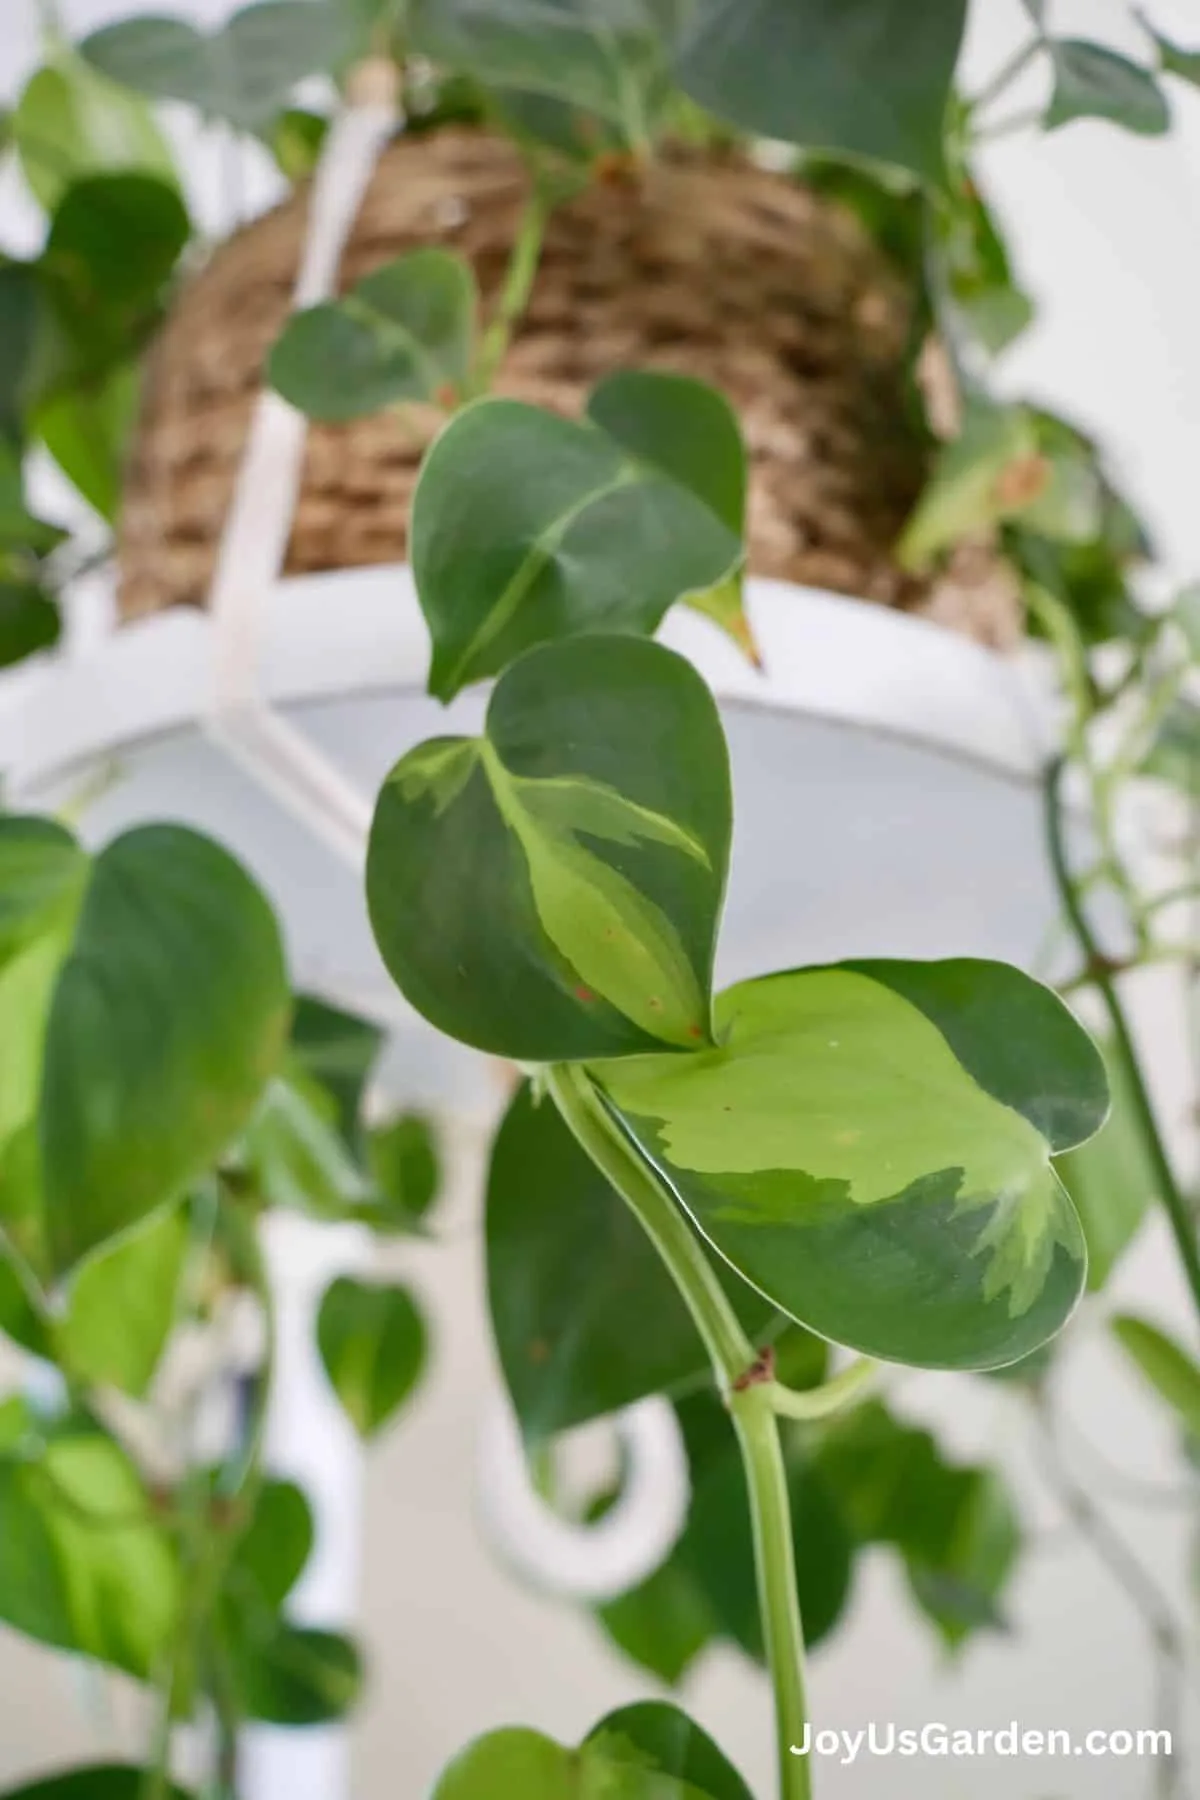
{"x":253,"y":546}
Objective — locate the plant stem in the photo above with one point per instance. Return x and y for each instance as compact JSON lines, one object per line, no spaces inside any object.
{"x":1007,"y":74}
{"x":518,"y":285}
{"x":831,"y":1397}
{"x":1178,"y":1212}
{"x":749,"y":1400}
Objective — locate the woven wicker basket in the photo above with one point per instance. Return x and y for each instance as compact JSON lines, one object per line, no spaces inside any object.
{"x":706,"y":266}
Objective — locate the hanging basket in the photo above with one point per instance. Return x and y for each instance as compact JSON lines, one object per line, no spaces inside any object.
{"x":706,"y":266}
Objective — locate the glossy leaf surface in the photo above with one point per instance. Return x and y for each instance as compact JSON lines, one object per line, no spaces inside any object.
{"x":870,"y":1145}
{"x":168,"y":1018}
{"x":528,"y":527}
{"x":405,"y":332}
{"x":551,"y":890}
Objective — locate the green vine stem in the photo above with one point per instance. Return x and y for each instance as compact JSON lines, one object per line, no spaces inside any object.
{"x":833,"y":1396}
{"x":1099,"y":976}
{"x":749,"y":1400}
{"x":518,"y":285}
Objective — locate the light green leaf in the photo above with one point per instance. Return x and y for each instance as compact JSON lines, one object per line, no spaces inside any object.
{"x":169,"y":1017}
{"x":551,"y":890}
{"x":245,"y":72}
{"x":1111,"y":1181}
{"x":866,"y":77}
{"x":1170,"y":1369}
{"x":100,"y":1781}
{"x":296,"y":140}
{"x":568,"y":1268}
{"x":296,"y":1155}
{"x":87,"y":430}
{"x":527,"y":527}
{"x":70,"y":122}
{"x":991,"y":471}
{"x":405,"y":332}
{"x":1171,"y":58}
{"x":374,"y":1345}
{"x":870,"y":1144}
{"x":981,"y":289}
{"x":609,"y":58}
{"x":1186,"y":612}
{"x":649,"y":1752}
{"x":1092,"y":82}
{"x":122,"y":1306}
{"x":43,"y":873}
{"x":82,"y":1567}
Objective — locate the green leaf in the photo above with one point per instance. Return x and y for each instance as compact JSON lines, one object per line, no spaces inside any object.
{"x":339,"y":1050}
{"x":689,"y":433}
{"x":586,"y":1319}
{"x":87,"y":431}
{"x":954,"y":1526}
{"x":663,"y":1624}
{"x":865,"y":78}
{"x":43,"y":873}
{"x":526,"y":526}
{"x":609,"y":59}
{"x":1186,"y":613}
{"x":551,"y":890}
{"x":990,"y":472}
{"x":98,"y":1781}
{"x":295,"y":1675}
{"x":71,"y":122}
{"x":403,"y":1160}
{"x":29,"y":622}
{"x":81,"y":1566}
{"x":374,"y":1345}
{"x":1091,"y":82}
{"x":869,"y":1144}
{"x":296,"y":140}
{"x":1170,"y":1369}
{"x":1111,"y":1181}
{"x":122,"y":1306}
{"x":169,"y":1016}
{"x":649,"y":1752}
{"x":1174,"y":756}
{"x":114,"y":240}
{"x":272,"y":1552}
{"x":295,"y":1155}
{"x":1172,"y":59}
{"x":989,"y":306}
{"x":405,"y":332}
{"x":652,"y":1735}
{"x":243,"y":73}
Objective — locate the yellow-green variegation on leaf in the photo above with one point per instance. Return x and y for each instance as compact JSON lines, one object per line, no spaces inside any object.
{"x":551,"y":890}
{"x":870,"y":1145}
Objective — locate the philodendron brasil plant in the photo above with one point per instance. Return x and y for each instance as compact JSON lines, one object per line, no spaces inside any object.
{"x":691,"y":1195}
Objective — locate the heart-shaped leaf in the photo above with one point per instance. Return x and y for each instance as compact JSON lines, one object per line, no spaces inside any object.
{"x":870,"y":1145}
{"x":586,"y":1318}
{"x":286,"y":1674}
{"x":1092,"y":82}
{"x":43,"y":873}
{"x":405,"y":332}
{"x":866,"y":77}
{"x":244,"y":72}
{"x":374,"y":1344}
{"x":527,"y":527}
{"x":71,"y":123}
{"x":272,"y":1552}
{"x":123,"y":1304}
{"x":168,"y":1018}
{"x":648,"y":1752}
{"x":551,"y":890}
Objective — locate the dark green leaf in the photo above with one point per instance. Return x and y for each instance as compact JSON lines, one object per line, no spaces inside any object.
{"x":664,"y":1624}
{"x":29,"y":621}
{"x":551,"y":890}
{"x":1111,"y":1181}
{"x":585,"y":1317}
{"x":374,"y":1345}
{"x":81,"y":1566}
{"x":1170,"y":1369}
{"x":21,"y":316}
{"x":272,"y":1552}
{"x":114,"y":239}
{"x":909,"y":1207}
{"x":655,"y":1736}
{"x":244,"y":72}
{"x":1091,"y":82}
{"x":866,"y":77}
{"x":295,"y":1675}
{"x":610,"y":59}
{"x":405,"y":332}
{"x":168,"y":1019}
{"x":71,"y":122}
{"x":403,"y":1160}
{"x":338,"y":1049}
{"x":526,"y":527}
{"x":98,"y":1781}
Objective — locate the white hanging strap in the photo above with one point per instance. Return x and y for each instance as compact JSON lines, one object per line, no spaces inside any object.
{"x":259,"y":525}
